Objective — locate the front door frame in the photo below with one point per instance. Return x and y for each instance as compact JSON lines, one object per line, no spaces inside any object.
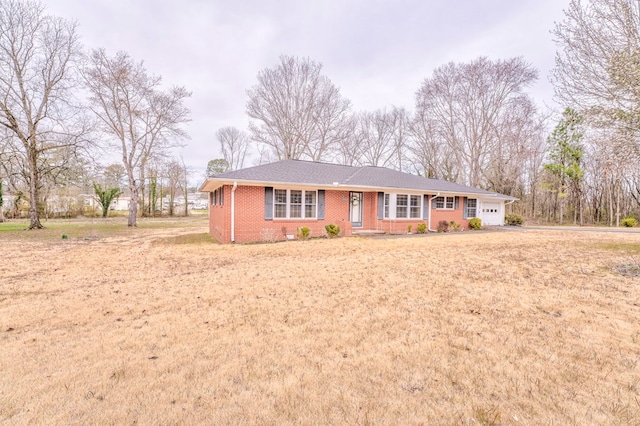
{"x":356,"y":205}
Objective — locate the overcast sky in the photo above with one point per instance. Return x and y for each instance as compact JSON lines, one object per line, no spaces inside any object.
{"x":377,"y":52}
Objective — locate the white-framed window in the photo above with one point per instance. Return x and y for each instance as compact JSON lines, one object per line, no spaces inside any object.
{"x":280,"y":203}
{"x":387,"y":201}
{"x":294,"y":204}
{"x":472,"y":207}
{"x":310,"y":203}
{"x":414,"y":209}
{"x":402,"y":206}
{"x":445,"y":203}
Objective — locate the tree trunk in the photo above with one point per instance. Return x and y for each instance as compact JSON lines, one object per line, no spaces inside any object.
{"x":133,"y":208}
{"x":172,"y":197}
{"x":135,"y":197}
{"x":617,"y":208}
{"x":1,"y":203}
{"x":610,"y":205}
{"x":34,"y":214}
{"x":142,"y":200}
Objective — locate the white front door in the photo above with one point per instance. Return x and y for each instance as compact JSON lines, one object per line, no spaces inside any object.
{"x":355,"y":209}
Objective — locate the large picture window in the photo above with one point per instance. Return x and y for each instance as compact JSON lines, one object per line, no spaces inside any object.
{"x":445,"y":203}
{"x":294,"y":204}
{"x":402,"y":206}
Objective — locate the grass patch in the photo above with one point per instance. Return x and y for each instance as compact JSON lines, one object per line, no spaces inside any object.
{"x":200,"y":238}
{"x":530,"y":327}
{"x":94,"y":228}
{"x":616,"y":246}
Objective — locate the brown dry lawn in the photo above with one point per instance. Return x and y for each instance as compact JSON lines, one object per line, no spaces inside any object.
{"x":162,"y":326}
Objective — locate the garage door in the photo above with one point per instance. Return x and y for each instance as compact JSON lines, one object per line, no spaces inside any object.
{"x":491,"y":214}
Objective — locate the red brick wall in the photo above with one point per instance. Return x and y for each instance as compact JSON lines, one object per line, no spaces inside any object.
{"x":449,"y":215}
{"x":219,"y":224}
{"x":250,"y":225}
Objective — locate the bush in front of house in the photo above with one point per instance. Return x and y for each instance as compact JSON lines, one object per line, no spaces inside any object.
{"x":303,"y":233}
{"x":629,"y":222}
{"x":443,"y":226}
{"x":475,"y":223}
{"x":421,"y":228}
{"x":454,"y":226}
{"x":332,"y":230}
{"x":514,"y":219}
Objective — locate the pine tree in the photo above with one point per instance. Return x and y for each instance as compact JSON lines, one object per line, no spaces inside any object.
{"x":566,"y":155}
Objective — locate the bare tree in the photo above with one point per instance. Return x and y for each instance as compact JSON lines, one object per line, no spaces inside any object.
{"x":133,"y":110}
{"x":597,"y":69}
{"x":466,"y":107}
{"x":375,"y":138}
{"x":298,"y":113}
{"x":115,"y":175}
{"x":348,"y":150}
{"x":597,"y":63}
{"x":38,"y":54}
{"x":234,"y":144}
{"x":174,"y":171}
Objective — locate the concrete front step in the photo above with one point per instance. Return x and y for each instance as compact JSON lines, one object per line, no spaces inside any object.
{"x":366,"y":232}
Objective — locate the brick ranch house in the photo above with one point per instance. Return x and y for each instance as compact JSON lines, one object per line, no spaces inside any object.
{"x":272,"y":201}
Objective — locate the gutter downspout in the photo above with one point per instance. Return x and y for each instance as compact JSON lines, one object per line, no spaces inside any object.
{"x":233,"y":212}
{"x":429,"y":212}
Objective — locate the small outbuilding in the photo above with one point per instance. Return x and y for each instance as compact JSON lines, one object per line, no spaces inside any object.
{"x":271,"y":201}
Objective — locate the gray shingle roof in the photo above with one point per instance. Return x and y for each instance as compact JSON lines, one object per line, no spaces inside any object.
{"x":325,"y":174}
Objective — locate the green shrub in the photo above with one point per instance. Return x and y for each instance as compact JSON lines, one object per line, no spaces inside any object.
{"x":421,"y":228}
{"x":65,"y":236}
{"x":332,"y":230}
{"x":443,"y":226}
{"x":629,"y":222}
{"x":475,"y":223}
{"x":303,"y":233}
{"x":454,"y":226}
{"x":409,"y":228}
{"x":514,"y":219}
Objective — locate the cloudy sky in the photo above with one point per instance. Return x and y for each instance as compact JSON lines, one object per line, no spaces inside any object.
{"x":378,"y":52}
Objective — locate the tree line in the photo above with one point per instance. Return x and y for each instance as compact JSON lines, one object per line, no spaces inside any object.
{"x":49,"y":135}
{"x":474,"y":123}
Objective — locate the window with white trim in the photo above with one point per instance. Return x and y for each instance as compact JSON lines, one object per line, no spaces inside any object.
{"x":445,"y":203}
{"x":280,"y":203}
{"x":386,"y":205}
{"x":310,"y":210}
{"x":414,"y":210}
{"x":472,"y":207}
{"x":402,"y":206}
{"x":294,"y":204}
